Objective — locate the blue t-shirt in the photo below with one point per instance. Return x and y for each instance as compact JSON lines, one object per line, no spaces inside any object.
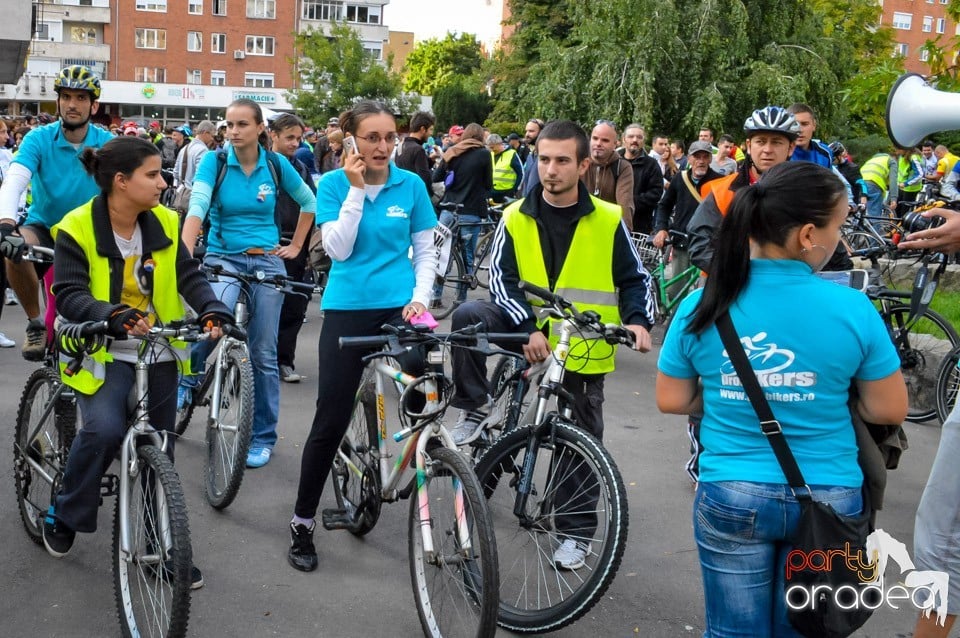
{"x":243,"y":215}
{"x":808,"y":340}
{"x":59,"y":183}
{"x":378,"y":273}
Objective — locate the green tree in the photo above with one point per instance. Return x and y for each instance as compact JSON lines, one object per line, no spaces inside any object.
{"x":434,"y":62}
{"x":459,"y":103}
{"x":339,"y":72}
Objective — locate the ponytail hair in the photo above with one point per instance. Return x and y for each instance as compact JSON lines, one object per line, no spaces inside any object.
{"x":790,"y":195}
{"x":120,"y":155}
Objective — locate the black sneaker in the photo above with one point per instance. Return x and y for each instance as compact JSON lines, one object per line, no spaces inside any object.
{"x":196,"y":576}
{"x":35,"y":341}
{"x":302,"y":554}
{"x":57,"y":537}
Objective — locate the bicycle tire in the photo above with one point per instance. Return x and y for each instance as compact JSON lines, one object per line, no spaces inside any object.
{"x":921,"y":350}
{"x":185,"y":413}
{"x":228,"y":440}
{"x":482,"y":256}
{"x":558,"y":600}
{"x":49,"y":447}
{"x":948,"y":382}
{"x":360,"y":493}
{"x":454,"y":279}
{"x":469,"y":584}
{"x":152,"y":588}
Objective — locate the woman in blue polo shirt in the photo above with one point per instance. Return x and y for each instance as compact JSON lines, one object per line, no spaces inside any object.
{"x":809,"y":341}
{"x":244,"y":237}
{"x":370,"y":213}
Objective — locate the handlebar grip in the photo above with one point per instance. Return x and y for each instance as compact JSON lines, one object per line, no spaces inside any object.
{"x":298,"y":286}
{"x":235,"y":331}
{"x":91,"y":328}
{"x":537,"y":291}
{"x":508,"y":337}
{"x":364,"y":342}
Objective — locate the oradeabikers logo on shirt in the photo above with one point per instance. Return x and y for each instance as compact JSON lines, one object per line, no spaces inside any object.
{"x":397,"y":211}
{"x":264,"y":190}
{"x":773,"y":367}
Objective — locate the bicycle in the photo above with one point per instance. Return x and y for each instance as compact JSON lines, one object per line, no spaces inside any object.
{"x":539,"y":477}
{"x":152,"y":554}
{"x":452,"y":551}
{"x":655,"y":261}
{"x":227,"y":390}
{"x":451,"y":287}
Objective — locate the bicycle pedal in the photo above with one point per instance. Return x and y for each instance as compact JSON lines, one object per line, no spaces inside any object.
{"x":109,"y":486}
{"x":336,"y":519}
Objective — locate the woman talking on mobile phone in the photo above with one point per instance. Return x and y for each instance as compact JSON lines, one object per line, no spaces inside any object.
{"x":370,"y":213}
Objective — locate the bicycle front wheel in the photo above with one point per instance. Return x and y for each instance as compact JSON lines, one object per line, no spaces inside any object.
{"x":482,"y":257}
{"x":922,"y":349}
{"x":228,"y":436}
{"x":576,"y":497}
{"x":41,"y":443}
{"x":152,"y":580}
{"x":948,"y":382}
{"x":356,"y":478}
{"x":455,"y":582}
{"x":451,"y":288}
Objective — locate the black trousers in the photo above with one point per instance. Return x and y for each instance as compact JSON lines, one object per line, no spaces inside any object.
{"x":578,"y":492}
{"x":337,"y":383}
{"x":291,"y":314}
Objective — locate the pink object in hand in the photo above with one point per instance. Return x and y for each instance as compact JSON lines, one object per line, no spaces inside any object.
{"x":424,"y":319}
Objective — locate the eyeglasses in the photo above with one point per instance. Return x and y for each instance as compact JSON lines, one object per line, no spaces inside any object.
{"x":376,"y":138}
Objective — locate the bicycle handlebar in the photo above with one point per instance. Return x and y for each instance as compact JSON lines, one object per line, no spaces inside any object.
{"x":611,"y":332}
{"x":282,"y":283}
{"x":400,"y":336}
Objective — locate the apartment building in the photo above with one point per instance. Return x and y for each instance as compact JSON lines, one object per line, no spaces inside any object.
{"x":180,"y":61}
{"x":914,"y":22}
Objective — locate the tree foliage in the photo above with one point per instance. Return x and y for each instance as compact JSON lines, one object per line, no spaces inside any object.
{"x":459,"y":103}
{"x":434,"y":63}
{"x":339,"y":72}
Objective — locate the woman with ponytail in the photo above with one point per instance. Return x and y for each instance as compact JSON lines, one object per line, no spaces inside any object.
{"x":809,"y":341}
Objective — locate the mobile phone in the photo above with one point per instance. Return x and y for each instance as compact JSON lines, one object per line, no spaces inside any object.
{"x":350,"y":145}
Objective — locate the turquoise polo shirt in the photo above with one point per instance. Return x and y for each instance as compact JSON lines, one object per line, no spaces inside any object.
{"x":808,"y":340}
{"x":59,"y":181}
{"x":378,"y":273}
{"x":243,"y":215}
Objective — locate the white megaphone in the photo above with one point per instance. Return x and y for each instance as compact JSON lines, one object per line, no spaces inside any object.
{"x":915,"y":110}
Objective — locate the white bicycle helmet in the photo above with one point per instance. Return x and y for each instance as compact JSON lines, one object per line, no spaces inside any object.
{"x":772,"y":119}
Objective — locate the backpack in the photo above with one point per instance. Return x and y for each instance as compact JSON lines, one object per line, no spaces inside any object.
{"x":168,"y":152}
{"x":273,"y":163}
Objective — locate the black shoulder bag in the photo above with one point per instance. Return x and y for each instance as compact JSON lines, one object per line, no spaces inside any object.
{"x":824,"y":596}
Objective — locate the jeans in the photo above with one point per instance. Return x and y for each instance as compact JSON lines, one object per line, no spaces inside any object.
{"x":875,"y":197}
{"x":742,"y":531}
{"x":263,"y":317}
{"x":469,"y":234}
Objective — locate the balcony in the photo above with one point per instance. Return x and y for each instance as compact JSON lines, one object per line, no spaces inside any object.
{"x":75,"y":13}
{"x":96,"y":52}
{"x":15,"y":31}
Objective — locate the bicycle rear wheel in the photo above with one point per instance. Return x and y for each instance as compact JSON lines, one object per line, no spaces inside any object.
{"x":482,"y":256}
{"x":536,"y":595}
{"x":453,"y":282}
{"x":228,"y":438}
{"x":356,"y":477}
{"x":152,"y":582}
{"x":455,"y":584}
{"x":948,"y":382}
{"x":922,"y":350}
{"x":40,"y":453}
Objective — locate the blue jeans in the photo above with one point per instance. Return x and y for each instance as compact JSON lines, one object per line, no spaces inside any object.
{"x":874,"y":200}
{"x":469,"y":235}
{"x":742,"y":531}
{"x":263,"y":318}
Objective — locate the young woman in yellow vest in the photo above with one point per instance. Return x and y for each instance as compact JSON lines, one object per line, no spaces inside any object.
{"x":101,"y":251}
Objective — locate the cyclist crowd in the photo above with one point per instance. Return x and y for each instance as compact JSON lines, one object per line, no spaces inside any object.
{"x":257,"y":199}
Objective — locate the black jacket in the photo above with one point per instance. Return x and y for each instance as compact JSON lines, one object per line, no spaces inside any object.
{"x":412,"y":158}
{"x":472,"y":182}
{"x":629,"y":276}
{"x":678,"y":204}
{"x":647,"y":191}
{"x":288,"y":210}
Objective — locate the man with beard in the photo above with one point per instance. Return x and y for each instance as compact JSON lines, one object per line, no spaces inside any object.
{"x":609,"y":176}
{"x":647,"y":178}
{"x":48,"y":160}
{"x":531,"y":176}
{"x":411,"y":155}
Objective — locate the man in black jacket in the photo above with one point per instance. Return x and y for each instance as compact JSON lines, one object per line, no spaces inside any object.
{"x":647,"y":178}
{"x":411,"y":155}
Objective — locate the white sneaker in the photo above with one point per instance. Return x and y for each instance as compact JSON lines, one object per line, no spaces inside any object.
{"x":472,"y":422}
{"x":6,"y":342}
{"x":572,"y":554}
{"x":11,"y":299}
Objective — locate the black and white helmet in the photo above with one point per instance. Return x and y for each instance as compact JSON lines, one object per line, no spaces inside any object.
{"x":772,"y":119}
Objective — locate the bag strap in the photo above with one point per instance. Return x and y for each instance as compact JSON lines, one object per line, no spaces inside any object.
{"x":183,"y":163}
{"x":768,"y":423}
{"x":693,"y":189}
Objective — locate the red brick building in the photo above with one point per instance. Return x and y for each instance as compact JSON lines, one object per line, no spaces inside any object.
{"x":914,"y":22}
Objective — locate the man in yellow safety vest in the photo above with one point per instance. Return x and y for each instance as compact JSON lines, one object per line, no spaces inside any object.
{"x":507,"y":169}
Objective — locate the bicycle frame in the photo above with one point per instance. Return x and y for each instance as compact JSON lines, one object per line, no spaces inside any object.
{"x":689,"y":277}
{"x":63,"y":390}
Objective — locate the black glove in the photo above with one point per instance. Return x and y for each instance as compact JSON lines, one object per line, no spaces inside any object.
{"x":215,"y":320}
{"x":12,"y":244}
{"x":123,"y":319}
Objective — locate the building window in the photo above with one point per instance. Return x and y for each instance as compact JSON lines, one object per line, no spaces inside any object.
{"x":149,"y":74}
{"x":194,"y":76}
{"x":259,"y":45}
{"x":218,"y":43}
{"x":363,"y":14}
{"x":902,"y":20}
{"x":927,"y":24}
{"x":258,"y":80}
{"x":218,"y":78}
{"x":941,"y":25}
{"x":219,"y":7}
{"x":901,"y":49}
{"x":374,"y":50}
{"x":924,"y":55}
{"x":150,"y":39}
{"x":195,"y":7}
{"x":262,"y":9}
{"x":322,"y":10}
{"x":152,"y":5}
{"x":83,"y":35}
{"x":194,"y":41}
{"x":944,"y":1}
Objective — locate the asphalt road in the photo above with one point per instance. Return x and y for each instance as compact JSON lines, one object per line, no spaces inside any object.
{"x":362,"y":587}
